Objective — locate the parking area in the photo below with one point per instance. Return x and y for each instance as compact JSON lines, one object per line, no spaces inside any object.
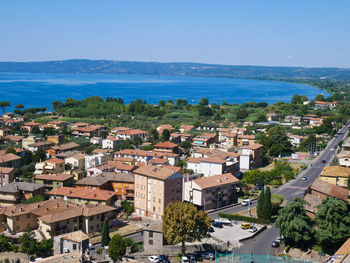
{"x":233,"y":233}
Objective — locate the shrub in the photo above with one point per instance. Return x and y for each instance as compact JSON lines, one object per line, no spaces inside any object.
{"x":99,"y":251}
{"x":6,"y":260}
{"x":244,"y":218}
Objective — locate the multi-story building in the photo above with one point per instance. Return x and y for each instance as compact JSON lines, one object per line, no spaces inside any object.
{"x":155,"y":188}
{"x":10,"y":160}
{"x":51,"y":166}
{"x":53,"y":181}
{"x":7,"y":175}
{"x":131,"y":133}
{"x":206,"y":166}
{"x":110,"y":143}
{"x":15,"y":193}
{"x":243,"y":140}
{"x":336,"y":175}
{"x":210,"y":192}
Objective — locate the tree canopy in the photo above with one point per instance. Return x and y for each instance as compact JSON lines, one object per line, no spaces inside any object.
{"x":116,"y":247}
{"x":182,"y":222}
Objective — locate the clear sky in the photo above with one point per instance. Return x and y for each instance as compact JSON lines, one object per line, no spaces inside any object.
{"x":238,"y":32}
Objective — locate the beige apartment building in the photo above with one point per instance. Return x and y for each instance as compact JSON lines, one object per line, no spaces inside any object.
{"x":155,"y":188}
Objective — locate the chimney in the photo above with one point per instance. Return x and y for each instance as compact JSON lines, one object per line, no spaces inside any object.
{"x":21,"y":209}
{"x":38,"y":205}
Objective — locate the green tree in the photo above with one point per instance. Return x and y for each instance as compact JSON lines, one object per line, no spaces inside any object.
{"x":10,"y":150}
{"x":204,"y":102}
{"x":34,"y":199}
{"x":105,"y":233}
{"x":19,"y":106}
{"x":165,"y":135}
{"x":320,"y":97}
{"x":161,"y":103}
{"x":127,"y":207}
{"x":3,"y":105}
{"x":137,"y":141}
{"x":260,"y":207}
{"x":241,"y":114}
{"x":56,"y":105}
{"x":333,"y":224}
{"x":182,"y":222}
{"x":116,"y":247}
{"x":27,"y":242}
{"x":5,"y":244}
{"x":267,"y":207}
{"x":44,"y":248}
{"x":295,"y":225}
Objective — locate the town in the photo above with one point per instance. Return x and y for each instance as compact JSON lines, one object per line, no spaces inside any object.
{"x":89,"y":191}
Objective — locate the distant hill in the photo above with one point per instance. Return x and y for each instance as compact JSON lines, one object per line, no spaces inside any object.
{"x":174,"y":69}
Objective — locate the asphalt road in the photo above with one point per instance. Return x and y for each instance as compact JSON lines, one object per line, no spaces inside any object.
{"x":261,"y":244}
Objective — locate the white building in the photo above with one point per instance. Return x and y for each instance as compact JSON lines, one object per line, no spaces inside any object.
{"x":110,"y":143}
{"x":210,"y":192}
{"x":206,"y":166}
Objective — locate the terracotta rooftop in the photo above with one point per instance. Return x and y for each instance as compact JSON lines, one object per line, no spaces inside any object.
{"x":166,"y":145}
{"x":55,"y":161}
{"x":248,"y":137}
{"x":83,"y":193}
{"x":118,"y":129}
{"x":42,"y":143}
{"x":66,"y":146}
{"x":77,"y":236}
{"x":186,"y":127}
{"x":330,"y":190}
{"x":103,"y":178}
{"x":215,"y":180}
{"x":344,"y":249}
{"x":6,"y":170}
{"x":8,"y":157}
{"x":155,"y":172}
{"x":206,"y":160}
{"x":133,"y":132}
{"x":335,"y":171}
{"x":53,"y":177}
{"x":14,"y":138}
{"x":32,"y":124}
{"x":253,"y":146}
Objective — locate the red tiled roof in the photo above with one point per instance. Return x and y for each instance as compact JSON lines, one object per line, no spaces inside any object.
{"x":55,"y":161}
{"x":83,"y":193}
{"x":166,"y":145}
{"x":53,"y":177}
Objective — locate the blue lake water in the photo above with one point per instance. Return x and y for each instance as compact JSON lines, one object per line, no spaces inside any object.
{"x":39,"y":90}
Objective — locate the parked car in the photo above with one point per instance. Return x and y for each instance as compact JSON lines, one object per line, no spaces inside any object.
{"x":184,"y":260}
{"x":153,"y":259}
{"x":246,"y":225}
{"x":211,"y":230}
{"x":191,"y":258}
{"x":217,"y":224}
{"x":137,"y":218}
{"x":275,"y":243}
{"x":323,"y":161}
{"x":163,"y":259}
{"x":208,"y":255}
{"x":304,"y":178}
{"x":224,"y":221}
{"x":246,"y":202}
{"x":198,"y":256}
{"x":253,"y":229}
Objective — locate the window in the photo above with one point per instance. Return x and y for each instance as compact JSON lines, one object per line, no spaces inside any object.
{"x":150,"y":234}
{"x":28,"y":215}
{"x":154,"y":182}
{"x":160,"y":200}
{"x":150,"y":242}
{"x":74,"y":246}
{"x":17,"y":218}
{"x":137,"y":194}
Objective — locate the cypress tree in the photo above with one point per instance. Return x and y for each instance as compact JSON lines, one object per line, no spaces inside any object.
{"x":105,"y":233}
{"x":259,"y":209}
{"x":267,"y":213}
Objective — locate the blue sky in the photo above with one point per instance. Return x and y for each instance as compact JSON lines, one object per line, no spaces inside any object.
{"x":246,"y":32}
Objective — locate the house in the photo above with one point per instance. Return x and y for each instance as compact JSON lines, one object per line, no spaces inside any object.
{"x":76,"y":241}
{"x":77,"y":161}
{"x":163,"y":127}
{"x":53,"y":181}
{"x":206,"y":166}
{"x":58,"y":125}
{"x":295,"y":140}
{"x":56,"y":217}
{"x":121,"y":184}
{"x":96,"y":140}
{"x":336,"y":175}
{"x":14,"y":138}
{"x":97,"y":159}
{"x":119,"y":129}
{"x":155,"y":188}
{"x":77,"y":174}
{"x":15,"y":193}
{"x":19,"y":151}
{"x":243,"y":140}
{"x":7,"y":175}
{"x":10,"y":160}
{"x":4,"y":132}
{"x":71,"y":146}
{"x":187,"y":128}
{"x":211,"y":192}
{"x":180,"y":137}
{"x":251,"y":156}
{"x":50,"y":166}
{"x":292,"y":119}
{"x":42,"y":145}
{"x":56,"y":139}
{"x":83,"y":196}
{"x":229,"y":139}
{"x":28,"y":140}
{"x":142,"y":156}
{"x":320,"y":190}
{"x":131,"y":133}
{"x":344,"y":158}
{"x":78,"y":125}
{"x":153,"y":240}
{"x":346,"y":145}
{"x":110,"y":143}
{"x":167,"y":147}
{"x":272,"y":117}
{"x":89,"y":131}
{"x":30,"y":125}
{"x":205,"y":139}
{"x":343,"y":253}
{"x":322,"y":105}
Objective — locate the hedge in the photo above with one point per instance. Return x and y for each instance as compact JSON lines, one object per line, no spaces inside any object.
{"x":244,"y":218}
